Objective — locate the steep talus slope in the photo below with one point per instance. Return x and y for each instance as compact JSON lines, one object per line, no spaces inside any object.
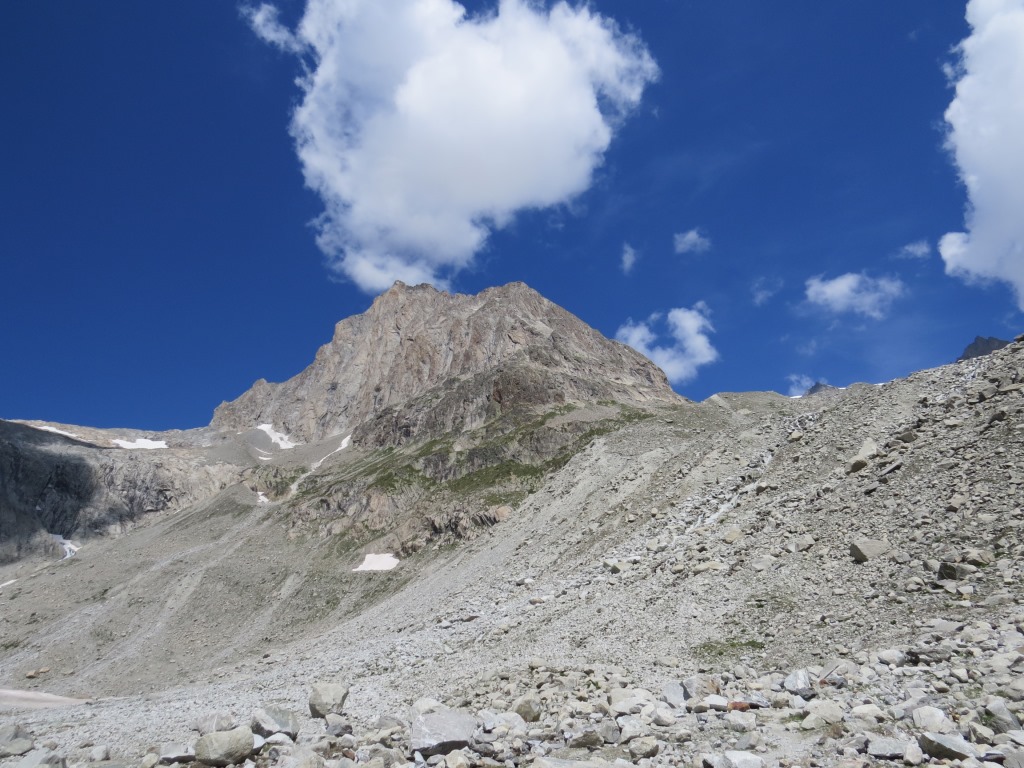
{"x":425,"y":363}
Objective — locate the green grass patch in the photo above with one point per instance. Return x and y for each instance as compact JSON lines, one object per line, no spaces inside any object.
{"x":719,"y":649}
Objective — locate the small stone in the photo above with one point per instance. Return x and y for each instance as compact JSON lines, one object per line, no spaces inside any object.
{"x":913,"y":755}
{"x":732,"y":535}
{"x":337,"y":725}
{"x":645,"y":746}
{"x":177,"y":753}
{"x":149,"y":760}
{"x":99,"y":753}
{"x":42,"y":758}
{"x":663,"y":718}
{"x":799,"y":682}
{"x":931,"y":719}
{"x":893,"y":656}
{"x":741,"y":722}
{"x":827,"y":710}
{"x":271,"y":720}
{"x":946,"y":746}
{"x":588,"y":739}
{"x":800,"y":543}
{"x":674,"y":694}
{"x":863,"y":550}
{"x":529,"y":707}
{"x":457,"y":759}
{"x":741,"y":759}
{"x":886,"y":748}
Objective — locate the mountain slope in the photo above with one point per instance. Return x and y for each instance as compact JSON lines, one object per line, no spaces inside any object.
{"x":833,"y":579}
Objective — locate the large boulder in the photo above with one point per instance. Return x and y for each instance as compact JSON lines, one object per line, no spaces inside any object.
{"x":326,"y":699}
{"x":271,"y":720}
{"x":14,"y":740}
{"x":440,"y":731}
{"x":225,"y":747}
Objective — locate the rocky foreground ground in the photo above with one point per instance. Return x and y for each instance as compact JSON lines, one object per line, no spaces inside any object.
{"x":751,"y":581}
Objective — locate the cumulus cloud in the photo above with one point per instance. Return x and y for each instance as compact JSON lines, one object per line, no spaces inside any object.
{"x":919,"y":249}
{"x":799,"y":383}
{"x":764,"y":288}
{"x":855,"y":293}
{"x":691,"y":242}
{"x":628,"y":258}
{"x":986,"y":136}
{"x":687,"y":348}
{"x":423,"y":128}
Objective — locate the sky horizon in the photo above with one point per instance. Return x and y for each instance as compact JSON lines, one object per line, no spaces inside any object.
{"x":755,"y":198}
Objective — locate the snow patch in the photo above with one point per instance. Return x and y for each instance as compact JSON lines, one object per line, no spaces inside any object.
{"x":142,"y":443}
{"x":261,"y":497}
{"x":342,"y":447}
{"x":60,"y":432}
{"x":7,"y":583}
{"x":280,"y":439}
{"x":69,"y":548}
{"x":378,"y":563}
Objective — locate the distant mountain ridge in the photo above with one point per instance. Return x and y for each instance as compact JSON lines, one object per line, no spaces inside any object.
{"x":472,"y":356}
{"x":982,"y":345}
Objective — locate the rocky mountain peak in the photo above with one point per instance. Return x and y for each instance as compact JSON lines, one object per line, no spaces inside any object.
{"x":982,"y":345}
{"x":471,"y":356}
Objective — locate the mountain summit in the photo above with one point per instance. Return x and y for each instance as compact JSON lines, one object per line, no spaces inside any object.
{"x":421,"y":359}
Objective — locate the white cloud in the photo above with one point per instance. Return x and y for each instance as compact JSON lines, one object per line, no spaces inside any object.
{"x":986,"y":136}
{"x":265,"y":23}
{"x":628,"y":258}
{"x":919,"y":249}
{"x":423,"y":128}
{"x":689,"y":346}
{"x":856,"y":293}
{"x":799,"y":383}
{"x":764,"y":288}
{"x":691,"y":242}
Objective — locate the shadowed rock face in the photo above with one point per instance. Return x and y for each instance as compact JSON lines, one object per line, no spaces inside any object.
{"x":462,"y":359}
{"x":52,"y":484}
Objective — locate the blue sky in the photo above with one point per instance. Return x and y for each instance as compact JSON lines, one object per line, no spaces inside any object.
{"x":182,"y":217}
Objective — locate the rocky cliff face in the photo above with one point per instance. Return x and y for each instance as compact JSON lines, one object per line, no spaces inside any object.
{"x":422,"y":359}
{"x":55,"y":484}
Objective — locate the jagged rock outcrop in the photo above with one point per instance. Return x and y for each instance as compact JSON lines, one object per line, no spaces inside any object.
{"x":982,"y":345}
{"x":423,"y":362}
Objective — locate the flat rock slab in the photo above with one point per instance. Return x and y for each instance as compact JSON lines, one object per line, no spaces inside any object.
{"x":886,"y":748}
{"x":946,"y":746}
{"x":863,"y":550}
{"x":441,"y":731}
